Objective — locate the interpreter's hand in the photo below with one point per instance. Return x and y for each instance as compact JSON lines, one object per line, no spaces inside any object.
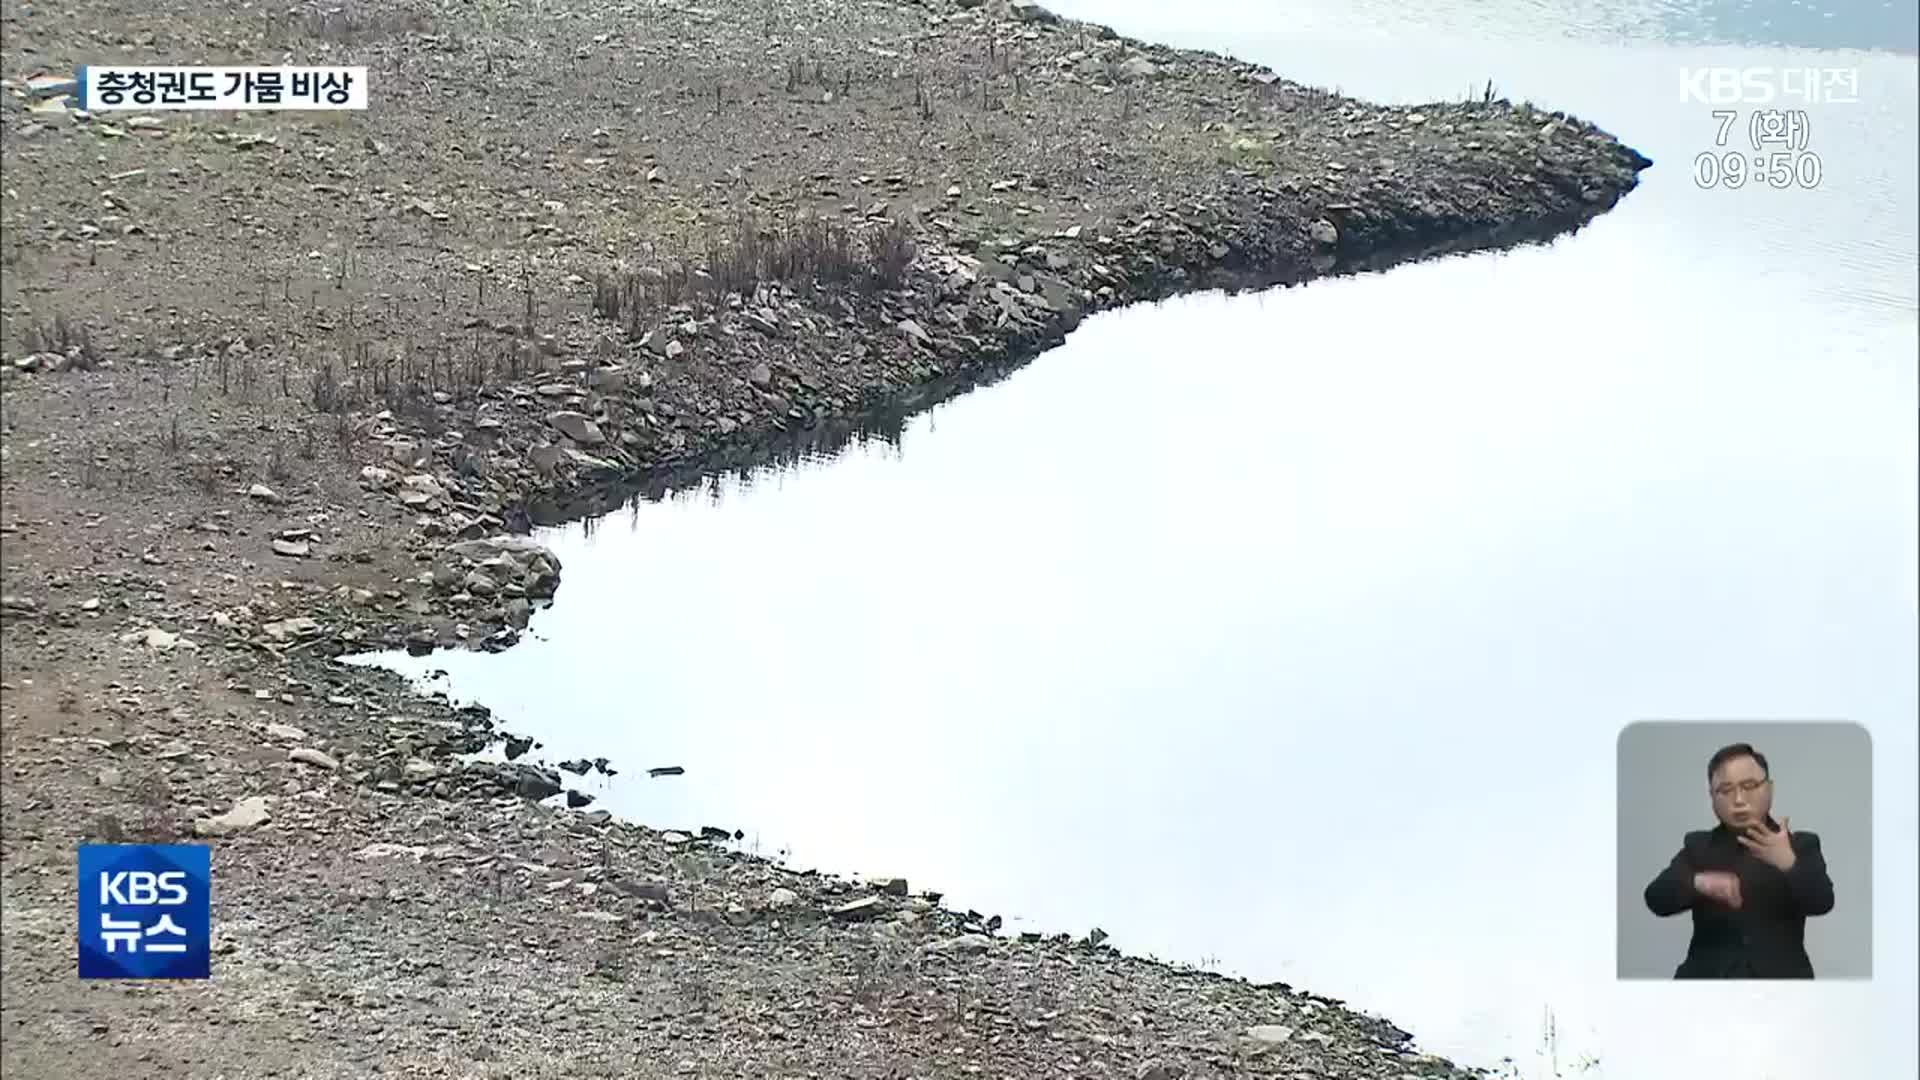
{"x":1773,"y":848}
{"x":1720,"y":886}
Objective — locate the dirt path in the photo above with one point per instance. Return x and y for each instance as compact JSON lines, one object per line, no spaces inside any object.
{"x":273,"y":382}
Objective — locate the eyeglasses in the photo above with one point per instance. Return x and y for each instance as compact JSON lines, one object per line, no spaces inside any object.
{"x":1745,"y":787}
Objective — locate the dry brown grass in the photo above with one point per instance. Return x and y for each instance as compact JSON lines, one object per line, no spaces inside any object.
{"x":806,"y":254}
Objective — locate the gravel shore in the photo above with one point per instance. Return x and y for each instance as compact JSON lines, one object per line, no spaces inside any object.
{"x":284,"y":387}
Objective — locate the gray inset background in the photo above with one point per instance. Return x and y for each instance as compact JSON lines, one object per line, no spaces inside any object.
{"x":1822,"y":778}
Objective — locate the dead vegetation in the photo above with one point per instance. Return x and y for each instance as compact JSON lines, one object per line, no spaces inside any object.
{"x":882,"y":969}
{"x":65,"y":338}
{"x":807,"y":255}
{"x":357,"y":24}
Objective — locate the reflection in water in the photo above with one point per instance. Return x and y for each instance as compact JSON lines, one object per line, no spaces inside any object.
{"x":1295,"y":630}
{"x":886,"y":422}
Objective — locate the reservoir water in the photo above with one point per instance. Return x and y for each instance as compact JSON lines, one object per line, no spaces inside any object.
{"x":1291,"y":633}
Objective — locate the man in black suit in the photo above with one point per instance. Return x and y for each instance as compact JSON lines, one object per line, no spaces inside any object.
{"x":1750,"y":882}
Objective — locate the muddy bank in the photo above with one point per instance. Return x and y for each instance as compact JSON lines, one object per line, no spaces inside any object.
{"x":280,"y":389}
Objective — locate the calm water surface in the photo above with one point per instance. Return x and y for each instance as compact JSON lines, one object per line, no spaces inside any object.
{"x":1291,"y":633}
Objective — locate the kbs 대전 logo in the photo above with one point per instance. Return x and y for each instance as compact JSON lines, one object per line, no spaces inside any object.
{"x":1782,"y":87}
{"x":145,"y":911}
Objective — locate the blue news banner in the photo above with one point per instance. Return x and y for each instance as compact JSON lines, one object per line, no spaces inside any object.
{"x":146,"y":911}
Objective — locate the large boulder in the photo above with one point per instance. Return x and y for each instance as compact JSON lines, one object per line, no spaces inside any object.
{"x":514,"y":565}
{"x":577,"y":426}
{"x":1030,"y":11}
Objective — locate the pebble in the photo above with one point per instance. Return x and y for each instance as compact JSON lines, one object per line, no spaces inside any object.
{"x":307,"y":755}
{"x":248,"y":813}
{"x":864,"y":908}
{"x":965,"y":945}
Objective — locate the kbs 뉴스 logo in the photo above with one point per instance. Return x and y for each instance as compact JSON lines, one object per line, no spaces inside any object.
{"x":145,"y":911}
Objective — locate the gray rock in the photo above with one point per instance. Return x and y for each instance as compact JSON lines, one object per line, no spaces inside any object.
{"x":537,"y":784}
{"x":782,"y":898}
{"x":651,"y":892}
{"x":518,"y":548}
{"x":285,"y":731}
{"x":480,"y":584}
{"x":263,"y":493}
{"x":854,"y":910}
{"x":518,"y":612}
{"x":42,"y":87}
{"x":155,"y":638}
{"x":503,"y":569}
{"x":289,"y":629}
{"x":1324,"y":233}
{"x":248,"y":813}
{"x":915,"y":331}
{"x":964,"y":945}
{"x":292,"y":549}
{"x":384,"y":849}
{"x":761,"y":376}
{"x":584,"y":460}
{"x":1029,"y":11}
{"x":421,"y":491}
{"x":307,"y":755}
{"x":546,"y":459}
{"x":1269,"y":1034}
{"x":890,"y":886}
{"x":542,"y":581}
{"x":576,"y":426}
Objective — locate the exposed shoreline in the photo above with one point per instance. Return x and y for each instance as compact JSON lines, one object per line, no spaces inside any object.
{"x":213,"y":494}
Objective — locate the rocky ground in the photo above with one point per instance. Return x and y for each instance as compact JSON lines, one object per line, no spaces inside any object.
{"x":282,"y":387}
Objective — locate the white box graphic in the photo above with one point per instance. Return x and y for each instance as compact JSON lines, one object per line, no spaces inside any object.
{"x":145,"y":89}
